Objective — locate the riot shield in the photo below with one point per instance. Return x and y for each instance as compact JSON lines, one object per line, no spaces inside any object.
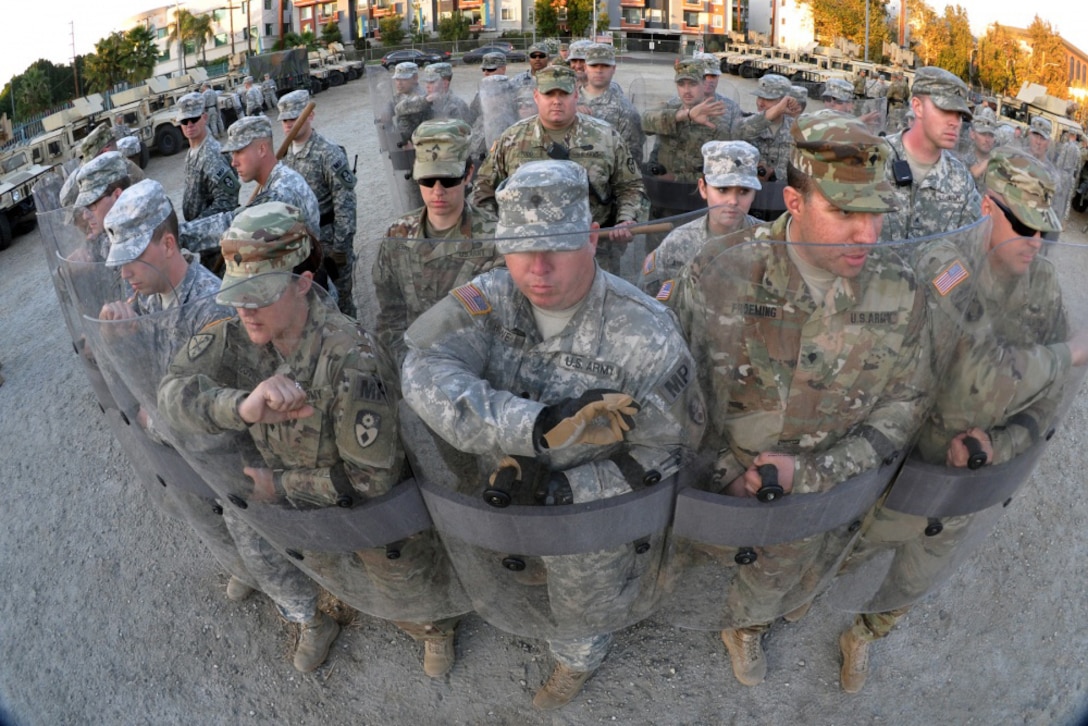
{"x":815,"y":393}
{"x":394,"y":144}
{"x":328,"y":490}
{"x":873,"y":112}
{"x":46,"y":192}
{"x":1004,"y":395}
{"x":498,"y":112}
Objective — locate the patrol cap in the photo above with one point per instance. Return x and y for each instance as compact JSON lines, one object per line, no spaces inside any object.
{"x":493,"y":61}
{"x":442,"y":148}
{"x":191,"y":105}
{"x":772,"y":87}
{"x":538,"y":48}
{"x":985,"y":121}
{"x":844,"y":160}
{"x":245,"y":131}
{"x":800,"y":94}
{"x":712,"y":66}
{"x":439,"y":70}
{"x":405,"y":70}
{"x":578,"y":49}
{"x":130,"y":224}
{"x":689,"y":70}
{"x":559,"y":62}
{"x":600,"y":54}
{"x":128,"y":145}
{"x":838,"y":89}
{"x":291,"y":105}
{"x":1026,"y":185}
{"x":247,"y":79}
{"x":543,"y":206}
{"x":1041,"y":126}
{"x":96,"y":175}
{"x":731,"y":164}
{"x":267,"y":238}
{"x":945,"y":89}
{"x":553,"y":78}
{"x":94,"y":142}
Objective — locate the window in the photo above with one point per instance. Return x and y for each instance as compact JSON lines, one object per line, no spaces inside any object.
{"x":267,"y":4}
{"x":328,"y":9}
{"x":306,"y":13}
{"x":221,"y":40}
{"x":267,"y":29}
{"x":718,"y":20}
{"x":508,"y":14}
{"x":165,"y":54}
{"x":161,"y":33}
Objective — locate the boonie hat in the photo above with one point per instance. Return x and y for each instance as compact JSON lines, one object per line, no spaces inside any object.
{"x":442,"y":148}
{"x":1026,"y":185}
{"x":245,"y":131}
{"x":291,"y":105}
{"x":731,"y":164}
{"x":543,"y":206}
{"x":262,"y":240}
{"x":130,"y":224}
{"x":96,"y":175}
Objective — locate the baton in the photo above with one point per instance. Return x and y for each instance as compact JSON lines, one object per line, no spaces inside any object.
{"x":648,"y":228}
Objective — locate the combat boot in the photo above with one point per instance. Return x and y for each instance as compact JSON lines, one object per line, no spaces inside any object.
{"x":314,"y":640}
{"x":237,"y":590}
{"x":563,"y":685}
{"x":855,"y":661}
{"x":745,"y":647}
{"x":438,"y":656}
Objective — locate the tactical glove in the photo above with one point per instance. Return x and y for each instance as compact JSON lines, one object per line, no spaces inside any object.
{"x":598,"y":417}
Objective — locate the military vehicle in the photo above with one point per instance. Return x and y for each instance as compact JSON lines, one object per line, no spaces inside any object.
{"x":18,"y":174}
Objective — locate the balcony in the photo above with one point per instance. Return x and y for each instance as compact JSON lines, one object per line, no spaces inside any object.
{"x":381,"y":11}
{"x":684,"y":27}
{"x":632,"y":3}
{"x":469,"y":4}
{"x":625,"y":25}
{"x":692,"y":6}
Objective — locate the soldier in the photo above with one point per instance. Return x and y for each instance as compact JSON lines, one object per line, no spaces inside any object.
{"x":982,"y":143}
{"x":254,"y":97}
{"x":443,"y":104}
{"x":799,"y":94}
{"x":249,"y":141}
{"x":712,"y":74}
{"x":1039,"y":138}
{"x":410,"y":108}
{"x":211,"y":107}
{"x":898,"y":95}
{"x":560,"y":340}
{"x":855,"y":397}
{"x":498,"y":103}
{"x":1067,"y":160}
{"x":558,"y":131}
{"x":269,"y":92}
{"x":774,"y":141}
{"x":211,"y":185}
{"x":99,"y":184}
{"x":424,"y":254}
{"x":576,"y":59}
{"x":860,"y":82}
{"x":493,"y":64}
{"x":100,"y":141}
{"x":729,"y":185}
{"x":324,"y":166}
{"x":603,"y":99}
{"x":538,"y":60}
{"x":838,"y":95}
{"x":993,"y":392}
{"x":934,"y":190}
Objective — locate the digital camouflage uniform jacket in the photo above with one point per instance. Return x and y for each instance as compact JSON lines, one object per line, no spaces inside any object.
{"x":324,"y":166}
{"x":616,"y":192}
{"x":678,"y":249}
{"x":412,"y":273}
{"x":211,"y":185}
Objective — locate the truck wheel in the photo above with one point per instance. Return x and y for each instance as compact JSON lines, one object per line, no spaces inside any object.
{"x":145,"y":155}
{"x":336,"y":78}
{"x":352,"y":74}
{"x":168,"y":140}
{"x":5,"y":231}
{"x":315,"y":87}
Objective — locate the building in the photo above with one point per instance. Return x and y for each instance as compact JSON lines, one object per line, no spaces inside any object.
{"x":1074,"y":60}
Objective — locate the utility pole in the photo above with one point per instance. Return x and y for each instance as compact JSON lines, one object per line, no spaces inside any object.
{"x":75,"y":66}
{"x":866,"y":31}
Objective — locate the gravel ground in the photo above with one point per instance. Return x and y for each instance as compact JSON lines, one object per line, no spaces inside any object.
{"x":112,"y":613}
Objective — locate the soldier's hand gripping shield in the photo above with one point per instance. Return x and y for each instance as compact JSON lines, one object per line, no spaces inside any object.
{"x":288,"y":412}
{"x":394,"y":143}
{"x":1015,"y":362}
{"x":818,"y":387}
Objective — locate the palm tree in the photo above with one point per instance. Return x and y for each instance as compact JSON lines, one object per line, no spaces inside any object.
{"x":107,"y":66}
{"x":182,"y":32}
{"x":142,"y":53}
{"x":201,"y":32}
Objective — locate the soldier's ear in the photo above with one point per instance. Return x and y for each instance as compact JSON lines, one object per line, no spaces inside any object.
{"x":793,"y":200}
{"x":702,"y":187}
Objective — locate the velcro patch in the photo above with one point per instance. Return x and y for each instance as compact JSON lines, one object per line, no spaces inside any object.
{"x":367,"y":427}
{"x":198,"y":345}
{"x":950,"y":277}
{"x":666,"y":290}
{"x":473,"y":299}
{"x":650,"y":263}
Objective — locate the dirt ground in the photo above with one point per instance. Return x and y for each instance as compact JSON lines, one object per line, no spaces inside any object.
{"x":110,"y":612}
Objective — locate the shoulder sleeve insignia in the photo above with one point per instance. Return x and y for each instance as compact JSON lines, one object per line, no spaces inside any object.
{"x":950,"y":277}
{"x":198,"y":345}
{"x":666,"y":290}
{"x":472,"y":298}
{"x":367,"y":427}
{"x":650,"y":263}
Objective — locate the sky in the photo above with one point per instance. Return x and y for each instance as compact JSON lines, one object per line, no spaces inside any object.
{"x":29,"y":31}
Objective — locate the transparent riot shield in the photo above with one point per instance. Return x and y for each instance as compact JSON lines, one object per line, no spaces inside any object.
{"x":394,"y":142}
{"x":46,"y":192}
{"x":326,"y":486}
{"x":540,"y":551}
{"x":1004,"y":395}
{"x":498,"y":111}
{"x":813,"y":400}
{"x":873,"y":112}
{"x":663,"y":247}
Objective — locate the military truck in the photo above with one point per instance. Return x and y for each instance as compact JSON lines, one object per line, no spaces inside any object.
{"x":18,"y":175}
{"x":356,"y":68}
{"x":65,"y":130}
{"x":290,"y":69}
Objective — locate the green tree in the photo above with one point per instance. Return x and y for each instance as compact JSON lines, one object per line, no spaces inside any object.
{"x":954,"y":54}
{"x":547,"y":19}
{"x":1000,"y":60}
{"x":108,"y":65}
{"x":454,"y":27}
{"x":193,"y":31}
{"x":579,"y":17}
{"x":142,"y":53}
{"x":834,"y":19}
{"x":33,"y":93}
{"x":1046,"y":63}
{"x":391,"y":28}
{"x":331,"y":33}
{"x":202,"y":32}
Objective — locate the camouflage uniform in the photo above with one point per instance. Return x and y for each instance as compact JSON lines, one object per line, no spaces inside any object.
{"x":447,"y":104}
{"x":211,"y":184}
{"x":254,"y":98}
{"x":898,"y":100}
{"x":1067,"y":162}
{"x":465,"y":370}
{"x":774,"y":140}
{"x":612,"y":106}
{"x":211,"y":107}
{"x":269,"y":92}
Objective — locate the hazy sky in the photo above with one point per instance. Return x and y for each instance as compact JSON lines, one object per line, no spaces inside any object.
{"x":29,"y":31}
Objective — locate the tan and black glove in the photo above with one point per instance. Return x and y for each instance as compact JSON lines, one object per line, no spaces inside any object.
{"x":598,"y":417}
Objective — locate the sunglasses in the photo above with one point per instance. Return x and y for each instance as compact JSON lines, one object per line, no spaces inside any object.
{"x":1017,"y":226}
{"x":447,"y":182}
{"x":187,"y":121}
{"x":538,"y":56}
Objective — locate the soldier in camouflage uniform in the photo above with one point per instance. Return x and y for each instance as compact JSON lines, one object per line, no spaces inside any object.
{"x":211,"y":107}
{"x":601,"y":98}
{"x":254,"y":98}
{"x":861,"y":80}
{"x":269,"y":92}
{"x":432,"y":250}
{"x":712,"y":74}
{"x":1067,"y":160}
{"x":857,"y":394}
{"x":774,"y":141}
{"x":410,"y":108}
{"x":324,"y":166}
{"x":564,"y":312}
{"x":100,"y":141}
{"x":898,"y":97}
{"x":729,"y":185}
{"x":211,"y":185}
{"x":498,"y":102}
{"x":249,"y":140}
{"x":994,"y":392}
{"x":99,"y":184}
{"x":940,"y":194}
{"x":493,"y":64}
{"x":576,"y":60}
{"x":538,"y":60}
{"x":443,"y":103}
{"x":558,"y":131}
{"x":799,"y":94}
{"x":982,"y":137}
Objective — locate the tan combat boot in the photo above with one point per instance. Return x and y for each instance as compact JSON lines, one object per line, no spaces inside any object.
{"x":237,"y":590}
{"x":563,"y":685}
{"x":855,"y":661}
{"x":438,"y":656}
{"x":745,"y":647}
{"x":314,"y":640}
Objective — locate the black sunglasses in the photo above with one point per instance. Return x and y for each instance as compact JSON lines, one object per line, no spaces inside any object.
{"x":1017,"y":226}
{"x":538,"y":55}
{"x":447,"y":182}
{"x":187,"y":121}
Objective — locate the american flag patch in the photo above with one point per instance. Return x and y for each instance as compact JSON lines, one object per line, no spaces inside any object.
{"x":650,"y":263}
{"x":666,"y":290}
{"x":953,"y":275}
{"x":473,"y":300}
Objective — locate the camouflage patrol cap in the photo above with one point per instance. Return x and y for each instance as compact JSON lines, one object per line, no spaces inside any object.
{"x":1042,"y":126}
{"x":838,"y":89}
{"x":731,"y":164}
{"x":712,"y":65}
{"x":578,"y":50}
{"x":96,"y":175}
{"x":800,"y":94}
{"x":267,"y":238}
{"x":559,"y":62}
{"x":437,"y":70}
{"x":405,"y":70}
{"x":690,"y":70}
{"x":191,"y":105}
{"x":442,"y":148}
{"x":945,"y":89}
{"x":844,"y":160}
{"x":552,"y":78}
{"x":93,"y":144}
{"x":130,"y":224}
{"x":600,"y":54}
{"x":772,"y":87}
{"x":492,"y":61}
{"x":543,"y":206}
{"x":247,"y":79}
{"x":1026,"y":185}
{"x":985,"y":121}
{"x":245,"y":131}
{"x":291,"y":105}
{"x":539,"y":48}
{"x":128,"y":146}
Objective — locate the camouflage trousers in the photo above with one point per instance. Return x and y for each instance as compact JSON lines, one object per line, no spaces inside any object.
{"x":873,"y":626}
{"x":294,"y":593}
{"x":215,"y":123}
{"x":211,"y":529}
{"x":581,"y":654}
